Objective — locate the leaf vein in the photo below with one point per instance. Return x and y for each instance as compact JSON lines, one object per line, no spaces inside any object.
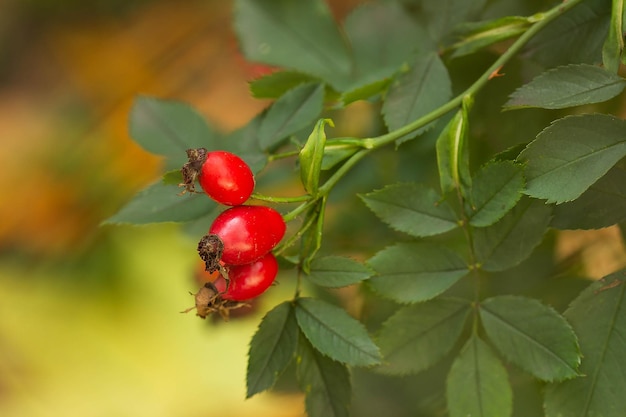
{"x":581,"y":158}
{"x":596,"y":372}
{"x":428,"y":330}
{"x":530,"y":339}
{"x":293,"y":114}
{"x":152,"y":114}
{"x":413,"y":210}
{"x":420,"y":87}
{"x":328,"y":59}
{"x":493,"y":195}
{"x":338,"y":335}
{"x":477,"y":379}
{"x":587,"y":91}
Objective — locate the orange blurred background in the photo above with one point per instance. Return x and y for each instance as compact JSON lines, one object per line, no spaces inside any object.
{"x":67,"y":158}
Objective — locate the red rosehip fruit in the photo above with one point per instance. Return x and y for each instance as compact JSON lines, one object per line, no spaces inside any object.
{"x":226,"y":178}
{"x":246,"y":233}
{"x":250,"y":280}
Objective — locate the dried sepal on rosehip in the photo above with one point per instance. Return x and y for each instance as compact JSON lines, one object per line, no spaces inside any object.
{"x":210,"y":249}
{"x":205,"y":298}
{"x":208,"y":300}
{"x":201,"y":276}
{"x":191,"y":169}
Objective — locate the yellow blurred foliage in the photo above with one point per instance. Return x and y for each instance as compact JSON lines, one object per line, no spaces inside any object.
{"x":65,"y":352}
{"x":600,"y":252}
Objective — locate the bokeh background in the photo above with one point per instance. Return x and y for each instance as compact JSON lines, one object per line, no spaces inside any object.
{"x":89,"y":315}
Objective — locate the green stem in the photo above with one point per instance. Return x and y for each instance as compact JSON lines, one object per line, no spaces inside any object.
{"x":299,"y":210}
{"x":370,"y":144}
{"x":475,"y":317}
{"x":467,"y":230}
{"x":345,"y":143}
{"x":283,"y":155}
{"x":343,"y":170}
{"x":270,"y":199}
{"x":543,"y":19}
{"x":296,"y":294}
{"x":325,"y":189}
{"x":303,"y":228}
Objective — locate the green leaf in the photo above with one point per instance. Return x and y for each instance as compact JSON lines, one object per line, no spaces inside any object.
{"x":311,"y":156}
{"x":496,"y":189}
{"x":169,"y":128}
{"x":335,"y":154}
{"x":598,"y":316}
{"x":415,"y":272}
{"x":311,"y":240}
{"x":602,"y":205}
{"x":452,"y":152}
{"x":299,"y":35}
{"x":412,"y":208}
{"x":364,"y":91}
{"x":567,"y":86}
{"x":272,"y":347}
{"x":198,"y":226}
{"x":512,"y":239}
{"x":173,"y":177}
{"x":245,"y":143}
{"x":575,"y":37}
{"x":614,"y":43}
{"x":379,"y":53}
{"x":424,"y":88}
{"x":161,"y":202}
{"x":418,"y":336}
{"x":335,"y":334}
{"x":532,"y":335}
{"x":290,"y":113}
{"x":477,"y":35}
{"x":278,"y":83}
{"x":509,"y":154}
{"x":571,"y":154}
{"x":478,"y":384}
{"x":326,"y":383}
{"x":442,"y":17}
{"x":337,"y":271}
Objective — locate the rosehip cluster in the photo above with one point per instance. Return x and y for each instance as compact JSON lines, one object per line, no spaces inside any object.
{"x":239,"y":242}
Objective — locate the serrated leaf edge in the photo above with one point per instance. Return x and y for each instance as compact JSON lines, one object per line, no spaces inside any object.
{"x":266,"y":361}
{"x":294,"y":111}
{"x":443,"y":354}
{"x":367,"y":270}
{"x":571,"y":116}
{"x":550,"y":72}
{"x":364,"y":197}
{"x":519,"y":195}
{"x":544,"y":348}
{"x":375,"y":359}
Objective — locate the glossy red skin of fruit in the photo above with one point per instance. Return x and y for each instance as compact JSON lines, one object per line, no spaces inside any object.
{"x":248,"y":232}
{"x":250,"y":280}
{"x":226,"y":178}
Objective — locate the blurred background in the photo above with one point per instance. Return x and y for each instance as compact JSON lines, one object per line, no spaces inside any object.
{"x":89,"y":322}
{"x":89,"y":319}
